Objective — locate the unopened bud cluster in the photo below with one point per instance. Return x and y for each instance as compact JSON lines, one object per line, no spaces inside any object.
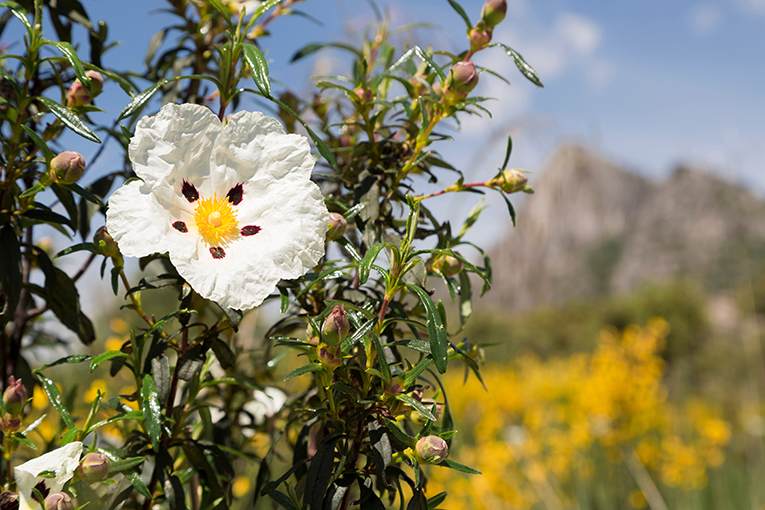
{"x":78,"y":94}
{"x":463,"y":77}
{"x":448,"y":265}
{"x":105,"y":244}
{"x":337,"y":226}
{"x":492,"y":14}
{"x":336,"y":326}
{"x":67,"y":167}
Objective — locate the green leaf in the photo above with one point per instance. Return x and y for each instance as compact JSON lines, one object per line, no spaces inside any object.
{"x":320,"y":473}
{"x":124,"y":464}
{"x":64,"y":301}
{"x":48,"y":217}
{"x":412,"y":402}
{"x":369,"y":258}
{"x":87,"y":195}
{"x":54,"y":396}
{"x":70,"y":119}
{"x":20,"y":13}
{"x":263,"y":7}
{"x":75,"y":358}
{"x":510,"y":208}
{"x":23,"y":440}
{"x":523,"y":67}
{"x":426,"y":58}
{"x":77,"y":247}
{"x":507,"y":152}
{"x":33,"y":190}
{"x":314,"y":47}
{"x":459,"y":467}
{"x":141,"y":99}
{"x":457,"y":7}
{"x":73,"y":59}
{"x":400,"y":434}
{"x":311,"y":367}
{"x":223,"y":10}
{"x":139,"y":484}
{"x":39,"y":142}
{"x":436,"y":330}
{"x":152,"y":411}
{"x":106,"y":356}
{"x":258,"y":67}
{"x":416,"y":370}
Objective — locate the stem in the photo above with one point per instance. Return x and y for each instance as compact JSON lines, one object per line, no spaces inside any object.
{"x":453,"y":187}
{"x":174,"y":383}
{"x":134,"y":299}
{"x":84,"y":267}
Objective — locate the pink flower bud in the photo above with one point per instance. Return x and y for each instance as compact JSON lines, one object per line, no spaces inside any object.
{"x":448,"y":265}
{"x":93,"y":467}
{"x":15,"y":396}
{"x":510,"y":181}
{"x":78,"y":95}
{"x":462,"y":78}
{"x":337,"y":225}
{"x":494,"y":12}
{"x":330,"y":356}
{"x":59,"y":501}
{"x":105,"y":244}
{"x":431,"y":450}
{"x":311,"y":335}
{"x":67,"y":167}
{"x":480,"y":37}
{"x":336,"y":326}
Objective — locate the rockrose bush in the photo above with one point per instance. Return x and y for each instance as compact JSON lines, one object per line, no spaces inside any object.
{"x":216,"y":211}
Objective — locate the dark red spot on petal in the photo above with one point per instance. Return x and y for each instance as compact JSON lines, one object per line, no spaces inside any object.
{"x":217,"y":252}
{"x":189,"y":191}
{"x":250,"y":230}
{"x":235,"y":194}
{"x":180,"y":227}
{"x":44,"y":491}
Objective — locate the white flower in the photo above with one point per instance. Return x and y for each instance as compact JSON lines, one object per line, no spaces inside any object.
{"x":63,"y":461}
{"x":265,"y":404}
{"x":233,"y":205}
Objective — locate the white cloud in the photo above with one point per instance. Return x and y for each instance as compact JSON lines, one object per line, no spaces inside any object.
{"x":704,"y":19}
{"x":752,"y":6}
{"x":578,"y":33}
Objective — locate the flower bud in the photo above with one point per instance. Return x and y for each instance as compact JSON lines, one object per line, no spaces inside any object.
{"x":15,"y":396}
{"x":493,"y":12}
{"x":448,"y":265}
{"x":93,"y":467}
{"x":78,"y":95}
{"x":337,"y":226}
{"x":59,"y":501}
{"x":67,"y":167}
{"x":510,"y":181}
{"x":336,"y":326}
{"x":311,"y":335}
{"x":462,"y":78}
{"x":431,"y":450}
{"x":330,"y":356}
{"x":105,"y":244}
{"x":10,"y":423}
{"x":480,"y":37}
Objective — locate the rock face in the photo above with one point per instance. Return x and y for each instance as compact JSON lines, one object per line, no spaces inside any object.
{"x":593,"y":228}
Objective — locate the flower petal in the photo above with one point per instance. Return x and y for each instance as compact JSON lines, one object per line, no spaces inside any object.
{"x":63,"y":461}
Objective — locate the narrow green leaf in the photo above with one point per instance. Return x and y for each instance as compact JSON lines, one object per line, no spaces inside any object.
{"x":436,"y":330}
{"x":77,"y":247}
{"x":369,"y":258}
{"x":106,"y":356}
{"x":263,"y":7}
{"x":20,"y":13}
{"x":87,"y":195}
{"x":139,"y":484}
{"x":73,"y":59}
{"x":459,"y":467}
{"x":152,"y":411}
{"x":507,"y":152}
{"x":69,"y":118}
{"x":258,"y":67}
{"x":123,"y":464}
{"x":39,"y":142}
{"x":416,"y":404}
{"x":222,"y":9}
{"x":314,"y":47}
{"x":312,"y":367}
{"x":141,"y":99}
{"x":400,"y":434}
{"x":523,"y":67}
{"x":33,"y":190}
{"x":54,"y":396}
{"x":75,"y":358}
{"x":428,"y":60}
{"x":23,"y":440}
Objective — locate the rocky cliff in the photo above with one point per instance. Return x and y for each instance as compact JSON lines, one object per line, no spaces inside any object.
{"x":593,"y":228}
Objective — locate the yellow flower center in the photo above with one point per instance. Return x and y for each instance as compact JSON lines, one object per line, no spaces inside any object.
{"x":216,"y":220}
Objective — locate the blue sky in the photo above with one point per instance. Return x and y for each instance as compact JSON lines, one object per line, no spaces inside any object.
{"x":648,"y":83}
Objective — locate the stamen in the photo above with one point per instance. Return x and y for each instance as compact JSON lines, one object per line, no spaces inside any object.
{"x":217,"y":252}
{"x":250,"y":230}
{"x":180,"y":227}
{"x":215,"y":219}
{"x":189,"y":191}
{"x":235,"y":194}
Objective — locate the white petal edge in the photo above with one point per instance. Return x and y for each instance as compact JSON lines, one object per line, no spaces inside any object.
{"x":62,"y":460}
